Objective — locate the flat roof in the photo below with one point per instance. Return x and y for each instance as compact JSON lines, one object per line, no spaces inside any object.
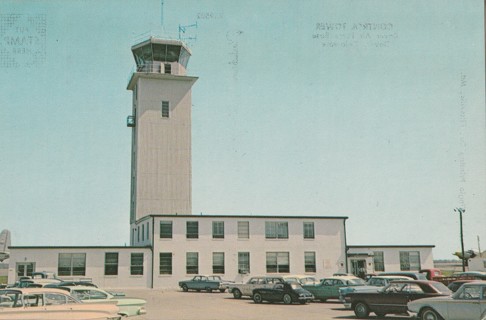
{"x":162,"y":41}
{"x":80,"y":247}
{"x":195,"y":216}
{"x":393,"y":246}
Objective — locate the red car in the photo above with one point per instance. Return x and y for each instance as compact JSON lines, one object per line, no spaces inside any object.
{"x":393,"y":298}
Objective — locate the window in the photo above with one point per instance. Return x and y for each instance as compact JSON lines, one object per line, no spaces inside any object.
{"x":409,"y":260}
{"x":218,"y":230}
{"x":278,"y":262}
{"x":308,"y":230}
{"x":167,"y":68}
{"x":276,"y":230}
{"x":192,"y":263}
{"x":379,"y":260}
{"x":136,"y":264}
{"x":192,"y":229}
{"x":166,"y":229}
{"x":147,"y":230}
{"x":310,"y":261}
{"x":111,"y":263}
{"x":165,"y":266}
{"x":243,"y":230}
{"x":218,"y":262}
{"x":165,"y":109}
{"x":143,"y":232}
{"x":71,"y":264}
{"x":243,"y":262}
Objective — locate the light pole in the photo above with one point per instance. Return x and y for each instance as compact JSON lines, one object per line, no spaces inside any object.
{"x":461,"y":211}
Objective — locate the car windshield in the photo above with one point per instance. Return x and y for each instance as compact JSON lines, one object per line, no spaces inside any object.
{"x":295,"y":285}
{"x":441,"y":287}
{"x":356,"y":282}
{"x":467,"y":293}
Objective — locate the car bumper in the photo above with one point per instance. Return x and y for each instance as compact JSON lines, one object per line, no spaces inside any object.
{"x":347,"y":305}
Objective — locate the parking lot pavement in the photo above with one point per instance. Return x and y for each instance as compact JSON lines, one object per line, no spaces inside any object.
{"x":180,"y":305}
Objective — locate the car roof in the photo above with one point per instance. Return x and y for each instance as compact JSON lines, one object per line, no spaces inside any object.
{"x":84,"y":288}
{"x":476,"y":283}
{"x":401,"y":277}
{"x":341,"y":277}
{"x":35,"y":290}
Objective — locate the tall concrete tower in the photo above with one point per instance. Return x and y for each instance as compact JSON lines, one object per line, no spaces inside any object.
{"x":161,"y":129}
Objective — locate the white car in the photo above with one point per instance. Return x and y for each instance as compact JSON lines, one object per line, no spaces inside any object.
{"x":467,"y":303}
{"x":50,"y":304}
{"x":128,"y":306}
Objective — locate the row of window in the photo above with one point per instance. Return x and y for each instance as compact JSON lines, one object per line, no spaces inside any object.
{"x":273,"y":230}
{"x":74,"y":264}
{"x":276,"y":262}
{"x":409,"y":260}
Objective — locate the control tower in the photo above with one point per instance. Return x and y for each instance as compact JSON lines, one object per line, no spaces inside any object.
{"x":161,"y":129}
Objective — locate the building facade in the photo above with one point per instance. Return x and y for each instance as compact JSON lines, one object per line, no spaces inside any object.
{"x":368,"y":259}
{"x":169,"y":248}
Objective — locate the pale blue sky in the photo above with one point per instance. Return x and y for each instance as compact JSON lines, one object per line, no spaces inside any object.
{"x":347,"y":108}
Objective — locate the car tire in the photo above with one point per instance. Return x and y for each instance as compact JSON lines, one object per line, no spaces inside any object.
{"x":184,"y":288}
{"x":429,"y":314}
{"x":361,"y":310}
{"x":323,"y":300}
{"x":236,"y":293}
{"x":257,"y":298}
{"x":287,"y":299}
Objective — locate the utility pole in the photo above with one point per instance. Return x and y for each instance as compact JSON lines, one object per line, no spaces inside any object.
{"x":461,"y":211}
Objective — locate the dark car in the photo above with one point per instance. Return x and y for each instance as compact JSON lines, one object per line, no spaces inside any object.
{"x":477,"y":275}
{"x":393,"y":298}
{"x":287,"y":293}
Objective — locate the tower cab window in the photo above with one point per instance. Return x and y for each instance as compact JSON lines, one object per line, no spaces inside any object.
{"x":165,"y":109}
{"x":167,"y":68}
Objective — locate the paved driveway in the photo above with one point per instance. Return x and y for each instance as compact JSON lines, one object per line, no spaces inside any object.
{"x":212,"y":306}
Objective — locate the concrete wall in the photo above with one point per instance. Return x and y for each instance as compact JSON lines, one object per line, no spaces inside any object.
{"x":328,"y":245}
{"x":46,"y":259}
{"x":391,"y":256}
{"x":161,"y":163}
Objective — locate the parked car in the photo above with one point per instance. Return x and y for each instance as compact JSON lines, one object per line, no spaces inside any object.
{"x":328,"y":288}
{"x":374,"y":284}
{"x":286,"y":292}
{"x":200,"y":282}
{"x":410,"y":274}
{"x":478,"y":275}
{"x":50,"y":304}
{"x":36,"y":283}
{"x":302,"y":279}
{"x":127,"y":306}
{"x":246,"y":289}
{"x":431,"y":273}
{"x":393,"y":298}
{"x":467,"y":303}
